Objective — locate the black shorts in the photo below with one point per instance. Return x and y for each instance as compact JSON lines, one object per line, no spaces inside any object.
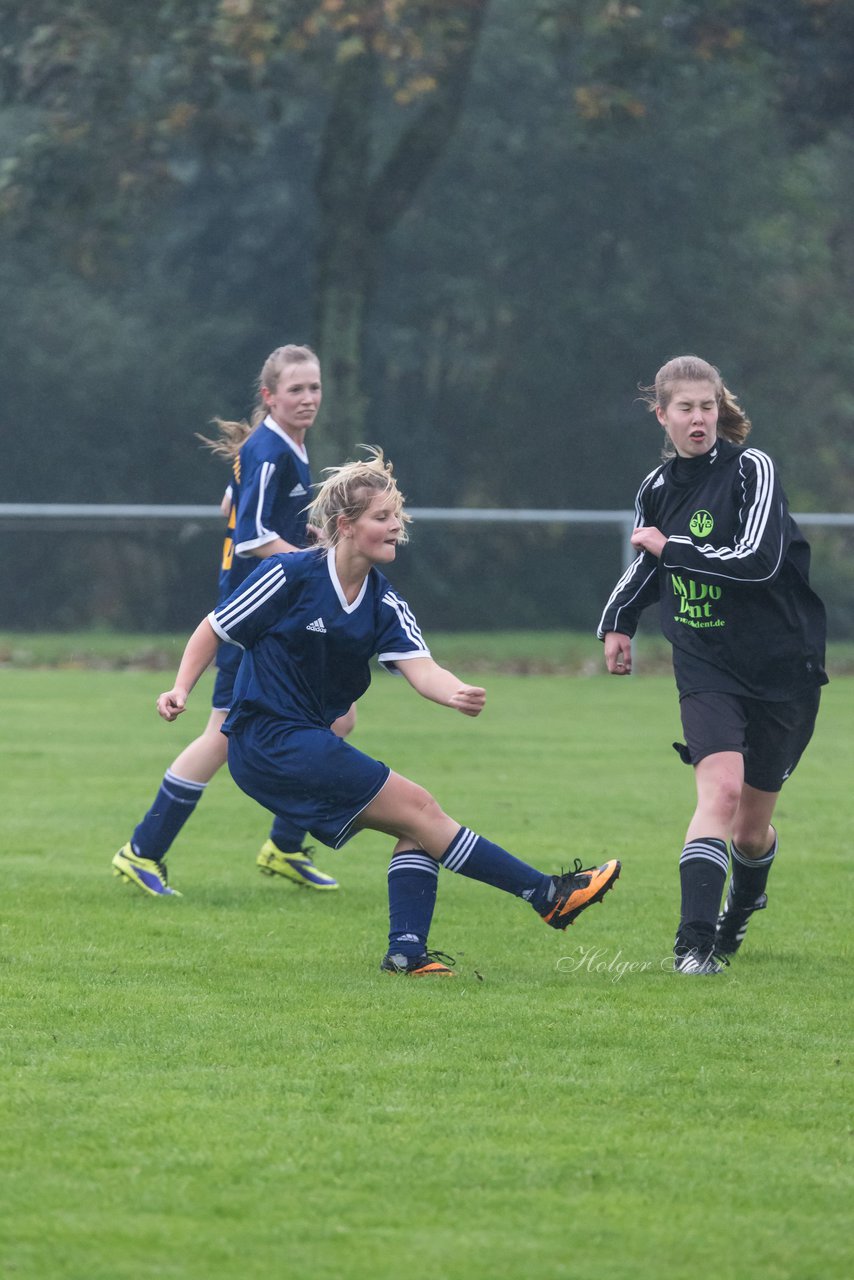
{"x":772,"y":736}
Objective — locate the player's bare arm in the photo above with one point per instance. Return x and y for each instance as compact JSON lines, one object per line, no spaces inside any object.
{"x":440,"y":685}
{"x":198,"y":655}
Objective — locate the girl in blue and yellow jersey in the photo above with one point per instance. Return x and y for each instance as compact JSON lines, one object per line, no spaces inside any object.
{"x":266,"y":507}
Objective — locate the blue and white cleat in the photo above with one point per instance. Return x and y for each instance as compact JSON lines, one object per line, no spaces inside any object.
{"x":146,"y":873}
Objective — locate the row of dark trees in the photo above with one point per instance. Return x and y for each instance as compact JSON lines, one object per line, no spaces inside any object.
{"x":493,"y":221}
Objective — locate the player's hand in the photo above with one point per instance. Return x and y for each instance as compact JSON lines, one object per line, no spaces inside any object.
{"x":468,"y":699}
{"x":171,"y":704}
{"x":648,"y":538}
{"x":618,"y":653}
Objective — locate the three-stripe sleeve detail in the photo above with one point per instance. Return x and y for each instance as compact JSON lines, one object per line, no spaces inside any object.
{"x":250,"y":599}
{"x":406,"y":618}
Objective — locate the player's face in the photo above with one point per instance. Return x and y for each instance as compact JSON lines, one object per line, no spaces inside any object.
{"x":374,"y":535}
{"x":691,"y":418}
{"x":294,"y":404}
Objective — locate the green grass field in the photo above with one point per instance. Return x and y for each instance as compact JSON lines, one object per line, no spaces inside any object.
{"x":226,"y":1086}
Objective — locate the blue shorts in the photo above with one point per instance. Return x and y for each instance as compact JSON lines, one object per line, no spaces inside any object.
{"x":228,"y":657}
{"x":308,"y":777}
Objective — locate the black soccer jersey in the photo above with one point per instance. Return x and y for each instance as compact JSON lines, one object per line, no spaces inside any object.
{"x":732,"y":582}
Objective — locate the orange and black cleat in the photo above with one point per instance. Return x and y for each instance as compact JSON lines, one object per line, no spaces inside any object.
{"x":431,"y":964}
{"x":575,"y":890}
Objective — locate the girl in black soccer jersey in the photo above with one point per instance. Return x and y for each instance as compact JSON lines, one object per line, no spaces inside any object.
{"x":729,"y":569}
{"x":309,"y":624}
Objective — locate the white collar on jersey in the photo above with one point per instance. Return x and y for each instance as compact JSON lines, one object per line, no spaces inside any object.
{"x":299,"y":449}
{"x":339,"y":591}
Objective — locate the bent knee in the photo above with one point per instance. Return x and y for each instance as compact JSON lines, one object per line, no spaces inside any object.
{"x":427,"y":805}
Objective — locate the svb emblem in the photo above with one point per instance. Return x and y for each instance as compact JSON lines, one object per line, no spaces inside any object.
{"x":701,"y":524}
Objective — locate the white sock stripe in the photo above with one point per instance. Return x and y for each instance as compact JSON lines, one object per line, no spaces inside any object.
{"x":712,"y":845}
{"x":414,"y":862}
{"x":169,"y":776}
{"x":458,"y":854}
{"x":703,"y":851}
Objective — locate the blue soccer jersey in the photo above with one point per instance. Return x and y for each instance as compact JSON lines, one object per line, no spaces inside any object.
{"x":307,"y":651}
{"x":270,"y":489}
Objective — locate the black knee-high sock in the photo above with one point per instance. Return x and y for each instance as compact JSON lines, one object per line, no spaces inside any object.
{"x":702,"y":873}
{"x":750,"y":875}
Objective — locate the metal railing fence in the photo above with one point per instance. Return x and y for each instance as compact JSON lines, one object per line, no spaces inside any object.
{"x":61,"y":516}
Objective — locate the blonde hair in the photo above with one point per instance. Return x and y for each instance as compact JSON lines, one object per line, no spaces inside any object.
{"x":733,"y":422}
{"x":349,"y":490}
{"x":232,"y":435}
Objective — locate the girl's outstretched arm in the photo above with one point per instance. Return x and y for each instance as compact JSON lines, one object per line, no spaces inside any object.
{"x":442,"y":686}
{"x":198,"y":655}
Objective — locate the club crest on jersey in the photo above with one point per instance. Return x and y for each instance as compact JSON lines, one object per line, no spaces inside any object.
{"x":317,"y":625}
{"x":701,"y":524}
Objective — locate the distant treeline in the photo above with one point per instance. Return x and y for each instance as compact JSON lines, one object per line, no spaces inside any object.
{"x":493,"y":220}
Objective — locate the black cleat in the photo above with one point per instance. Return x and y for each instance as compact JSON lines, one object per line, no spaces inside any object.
{"x":694,"y":951}
{"x":733,"y":921}
{"x":431,"y":964}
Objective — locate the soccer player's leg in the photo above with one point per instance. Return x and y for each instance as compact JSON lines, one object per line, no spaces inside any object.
{"x":777,"y":736}
{"x":405,"y":809}
{"x":285,"y":853}
{"x":412,"y":882}
{"x":714,"y":727}
{"x":142,"y":861}
{"x":753,"y":848}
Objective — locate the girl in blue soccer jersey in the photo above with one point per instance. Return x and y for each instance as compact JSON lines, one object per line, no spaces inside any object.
{"x":265,"y":505}
{"x":309,"y":625}
{"x":729,"y":569}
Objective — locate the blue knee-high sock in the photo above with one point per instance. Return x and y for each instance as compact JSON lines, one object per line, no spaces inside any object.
{"x":413,"y":878}
{"x":285,"y":836}
{"x":472,"y":855}
{"x":750,"y":875}
{"x":173,"y":804}
{"x":703,"y":867}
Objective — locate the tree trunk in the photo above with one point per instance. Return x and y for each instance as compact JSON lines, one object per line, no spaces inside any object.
{"x":356,"y":209}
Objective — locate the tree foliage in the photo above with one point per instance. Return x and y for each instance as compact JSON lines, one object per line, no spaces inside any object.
{"x":128,"y":103}
{"x":494,"y":221}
